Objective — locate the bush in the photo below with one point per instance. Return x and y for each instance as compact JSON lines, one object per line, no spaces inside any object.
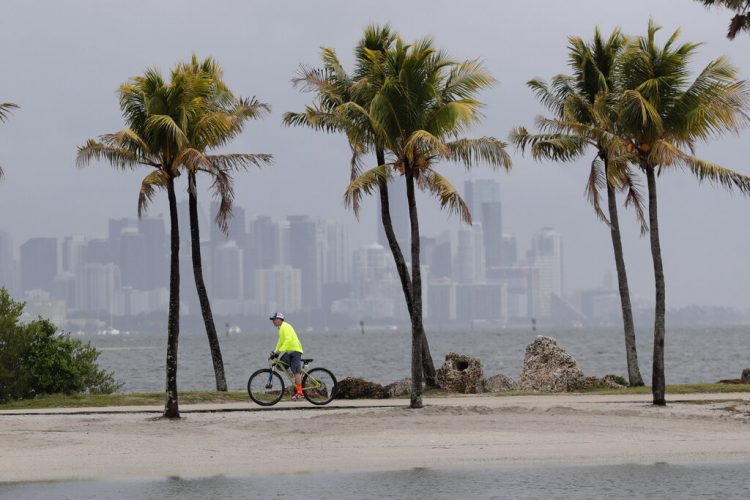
{"x":35,"y":359}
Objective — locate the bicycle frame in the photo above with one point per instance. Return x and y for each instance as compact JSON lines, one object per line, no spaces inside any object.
{"x":277,"y":363}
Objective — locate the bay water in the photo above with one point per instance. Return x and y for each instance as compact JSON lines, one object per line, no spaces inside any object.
{"x":692,"y":354}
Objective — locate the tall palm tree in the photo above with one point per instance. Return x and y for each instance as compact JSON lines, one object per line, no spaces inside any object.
{"x":587,"y":98}
{"x":337,"y":92}
{"x":422,"y":104}
{"x":741,"y":19}
{"x":220,"y":120}
{"x":156,"y":113}
{"x":5,"y":109}
{"x":661,"y":114}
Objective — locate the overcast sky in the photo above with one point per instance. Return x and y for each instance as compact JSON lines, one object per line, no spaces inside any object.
{"x":62,"y":62}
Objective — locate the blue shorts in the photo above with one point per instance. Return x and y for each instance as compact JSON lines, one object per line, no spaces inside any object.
{"x":294,"y":360}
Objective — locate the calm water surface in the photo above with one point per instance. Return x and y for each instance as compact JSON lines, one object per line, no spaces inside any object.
{"x":659,"y":481}
{"x":693,"y":355}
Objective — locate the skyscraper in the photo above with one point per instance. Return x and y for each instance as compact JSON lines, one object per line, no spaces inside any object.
{"x":546,"y":255}
{"x":228,"y":273}
{"x":304,"y":255}
{"x":470,"y":266}
{"x":483,"y":199}
{"x":38,"y":258}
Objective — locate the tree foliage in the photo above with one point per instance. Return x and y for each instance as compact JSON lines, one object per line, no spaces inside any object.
{"x":37,"y":359}
{"x":741,"y":19}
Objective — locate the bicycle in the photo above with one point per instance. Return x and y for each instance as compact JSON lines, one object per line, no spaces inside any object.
{"x":266,"y":387}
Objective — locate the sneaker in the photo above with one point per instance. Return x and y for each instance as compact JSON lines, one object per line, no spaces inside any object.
{"x":298,"y":396}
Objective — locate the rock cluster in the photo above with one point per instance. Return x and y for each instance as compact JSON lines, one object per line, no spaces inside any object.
{"x":398,"y":388}
{"x":357,"y":388}
{"x":499,"y":383}
{"x":548,"y":368}
{"x":460,"y":373}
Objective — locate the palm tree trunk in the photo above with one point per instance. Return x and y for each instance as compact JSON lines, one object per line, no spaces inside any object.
{"x":428,"y":367}
{"x":631,"y":354}
{"x":208,"y":318}
{"x":417,"y":328}
{"x":171,"y":406}
{"x":658,"y":384}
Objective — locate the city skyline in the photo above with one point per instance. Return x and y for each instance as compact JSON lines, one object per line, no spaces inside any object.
{"x":704,"y":253}
{"x":298,"y":263}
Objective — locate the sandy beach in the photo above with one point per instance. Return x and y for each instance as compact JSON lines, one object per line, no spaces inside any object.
{"x":458,"y":432}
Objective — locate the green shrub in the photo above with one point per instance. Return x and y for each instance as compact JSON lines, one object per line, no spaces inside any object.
{"x":36,"y":359}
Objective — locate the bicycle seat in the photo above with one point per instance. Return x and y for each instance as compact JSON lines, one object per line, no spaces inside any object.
{"x":308,"y":360}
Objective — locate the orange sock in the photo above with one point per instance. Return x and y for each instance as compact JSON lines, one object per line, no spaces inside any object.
{"x":299,"y":388}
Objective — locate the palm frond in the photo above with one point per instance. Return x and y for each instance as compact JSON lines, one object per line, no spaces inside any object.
{"x":634,"y":198}
{"x":667,"y":154}
{"x":364,"y":184}
{"x":596,"y":182}
{"x":120,"y":158}
{"x":233,"y":162}
{"x":555,"y":147}
{"x":488,"y":150}
{"x":448,"y":195}
{"x":149,"y":186}
{"x":5,"y":110}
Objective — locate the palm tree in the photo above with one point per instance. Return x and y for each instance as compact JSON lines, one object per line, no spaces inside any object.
{"x":587,"y":98}
{"x":5,"y":109}
{"x":741,"y":19}
{"x":157,"y":113}
{"x":422,"y":103}
{"x":337,"y":92}
{"x":661,"y":114}
{"x":221,"y":119}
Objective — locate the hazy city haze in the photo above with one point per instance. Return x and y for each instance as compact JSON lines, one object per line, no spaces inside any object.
{"x":63,"y":62}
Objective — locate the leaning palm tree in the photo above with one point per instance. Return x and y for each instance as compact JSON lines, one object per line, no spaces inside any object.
{"x":422,"y":103}
{"x":5,"y":109}
{"x":741,"y":19}
{"x":220,"y":119}
{"x":336,"y":93}
{"x":588,"y":98}
{"x":661,"y":114}
{"x":156,"y":113}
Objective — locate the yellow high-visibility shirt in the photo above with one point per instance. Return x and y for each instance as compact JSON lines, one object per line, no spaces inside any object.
{"x":288,"y":340}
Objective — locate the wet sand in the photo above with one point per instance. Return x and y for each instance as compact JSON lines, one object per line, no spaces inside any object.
{"x":480,"y":431}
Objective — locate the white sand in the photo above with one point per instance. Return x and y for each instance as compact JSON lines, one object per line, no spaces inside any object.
{"x":474,"y":431}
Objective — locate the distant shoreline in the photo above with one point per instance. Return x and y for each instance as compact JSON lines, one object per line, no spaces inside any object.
{"x":239,"y":438}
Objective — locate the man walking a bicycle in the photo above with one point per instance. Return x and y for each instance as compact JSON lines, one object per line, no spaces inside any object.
{"x":290,"y":349}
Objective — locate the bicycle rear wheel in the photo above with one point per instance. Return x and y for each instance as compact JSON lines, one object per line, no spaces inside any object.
{"x":265,"y":387}
{"x":319,"y":386}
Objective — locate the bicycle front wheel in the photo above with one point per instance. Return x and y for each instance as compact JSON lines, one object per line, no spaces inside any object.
{"x":265,"y":387}
{"x":319,"y":386}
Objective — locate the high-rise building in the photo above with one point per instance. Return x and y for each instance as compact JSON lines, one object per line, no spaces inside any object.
{"x":304,"y":254}
{"x":100,"y":251}
{"x":95,"y":287}
{"x":38,"y":257}
{"x":227,"y":272}
{"x":266,"y":242}
{"x":134,"y":258}
{"x":546,"y":254}
{"x":483,"y":199}
{"x":280,"y":288}
{"x":237,"y":226}
{"x":338,"y":260}
{"x":509,"y":254}
{"x":156,"y":266}
{"x":73,"y":250}
{"x":470,"y":254}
